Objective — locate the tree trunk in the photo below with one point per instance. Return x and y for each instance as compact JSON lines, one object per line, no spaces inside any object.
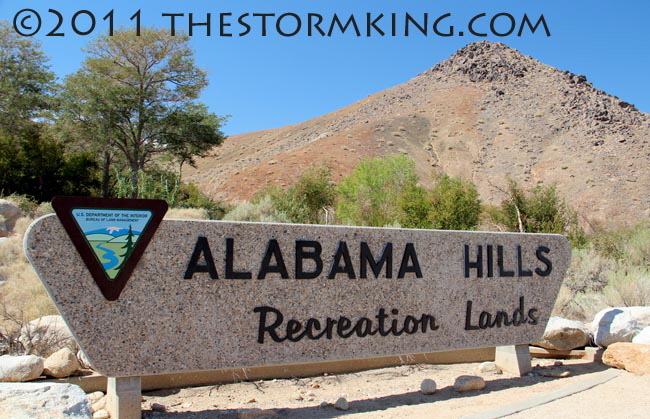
{"x":106,"y":178}
{"x":134,"y":180}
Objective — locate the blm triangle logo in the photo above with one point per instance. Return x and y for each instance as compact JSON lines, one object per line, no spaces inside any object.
{"x":110,"y":235}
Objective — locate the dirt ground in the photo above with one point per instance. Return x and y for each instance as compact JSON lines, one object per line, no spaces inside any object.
{"x":395,"y":393}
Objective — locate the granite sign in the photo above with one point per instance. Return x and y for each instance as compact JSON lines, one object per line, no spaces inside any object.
{"x":210,"y":294}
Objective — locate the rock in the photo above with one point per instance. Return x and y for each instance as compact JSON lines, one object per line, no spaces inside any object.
{"x":555,"y":373}
{"x":101,"y":414}
{"x":619,"y":324}
{"x":341,"y":404}
{"x":324,"y":404}
{"x":9,"y":214}
{"x":489,"y":367}
{"x":20,"y":368}
{"x":563,"y":335}
{"x":469,"y":383}
{"x":99,"y":404}
{"x":642,"y":337}
{"x":60,"y":364}
{"x":297,"y":396}
{"x":158,"y":407}
{"x":95,"y":396}
{"x":43,"y":401}
{"x":428,"y":386}
{"x":84,"y":362}
{"x":633,"y":357}
{"x":46,"y":335}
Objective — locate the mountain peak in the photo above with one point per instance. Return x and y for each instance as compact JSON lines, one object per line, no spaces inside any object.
{"x":487,"y":61}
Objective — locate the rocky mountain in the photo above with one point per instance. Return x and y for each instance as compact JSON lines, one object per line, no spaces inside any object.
{"x":487,"y":113}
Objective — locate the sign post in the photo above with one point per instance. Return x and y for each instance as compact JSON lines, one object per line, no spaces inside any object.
{"x":206,"y":295}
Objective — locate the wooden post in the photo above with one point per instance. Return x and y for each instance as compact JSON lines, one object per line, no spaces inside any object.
{"x":124,"y":397}
{"x":514,"y":359}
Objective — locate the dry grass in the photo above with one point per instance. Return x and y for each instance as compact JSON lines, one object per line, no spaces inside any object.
{"x":22,"y":296}
{"x":188,"y":213}
{"x":613,"y":271}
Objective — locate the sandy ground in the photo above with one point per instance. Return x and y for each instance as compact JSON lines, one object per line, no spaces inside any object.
{"x":394,"y":393}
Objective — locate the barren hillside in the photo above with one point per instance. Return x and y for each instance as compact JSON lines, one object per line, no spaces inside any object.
{"x":486,"y":113}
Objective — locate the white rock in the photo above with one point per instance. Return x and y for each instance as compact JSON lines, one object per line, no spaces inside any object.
{"x":563,"y":334}
{"x":43,"y":401}
{"x":101,"y":414}
{"x":47,"y":335}
{"x":60,"y":364}
{"x":341,"y":404}
{"x":99,"y":405}
{"x":619,"y":324}
{"x":642,"y":337}
{"x":428,"y":386}
{"x":489,"y":367}
{"x":20,"y":368}
{"x":95,"y":396}
{"x":469,"y":383}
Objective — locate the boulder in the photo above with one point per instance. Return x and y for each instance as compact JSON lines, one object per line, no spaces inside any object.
{"x":43,"y":401}
{"x":46,"y":335}
{"x":62,"y":363}
{"x":469,"y":383}
{"x":563,"y":335}
{"x":633,"y":357}
{"x":9,"y":214}
{"x":20,"y":368}
{"x":642,"y":337}
{"x":619,"y":324}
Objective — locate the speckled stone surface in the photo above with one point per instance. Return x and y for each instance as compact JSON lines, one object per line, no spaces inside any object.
{"x":164,"y":323}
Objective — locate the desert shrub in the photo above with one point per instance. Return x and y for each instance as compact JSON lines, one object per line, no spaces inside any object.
{"x":22,"y":296}
{"x":578,"y":306}
{"x":306,"y":200}
{"x":541,"y":210}
{"x":589,"y":271}
{"x":455,"y":204}
{"x":452,"y":204}
{"x":262,"y":210}
{"x":628,"y":287}
{"x":612,"y":270}
{"x":370,"y":195}
{"x":415,"y":205}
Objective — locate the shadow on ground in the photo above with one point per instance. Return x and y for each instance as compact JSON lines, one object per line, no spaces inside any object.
{"x":378,"y":403}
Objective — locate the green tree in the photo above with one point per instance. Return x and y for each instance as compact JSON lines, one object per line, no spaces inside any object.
{"x":39,"y":167}
{"x":455,"y":204}
{"x":26,"y":84}
{"x":370,"y":195}
{"x":133,"y":98}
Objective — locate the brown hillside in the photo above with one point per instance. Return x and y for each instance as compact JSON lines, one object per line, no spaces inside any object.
{"x":486,"y":113}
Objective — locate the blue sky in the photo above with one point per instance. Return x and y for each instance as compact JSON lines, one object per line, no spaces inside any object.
{"x":266,"y":82}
